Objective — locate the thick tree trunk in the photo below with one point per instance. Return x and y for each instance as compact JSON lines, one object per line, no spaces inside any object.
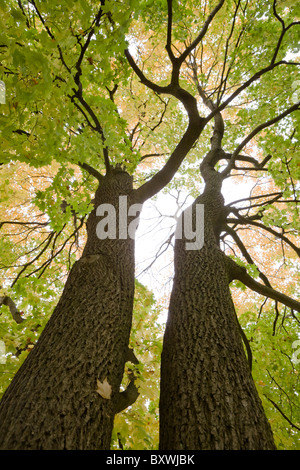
{"x":208,"y":400}
{"x":52,"y":401}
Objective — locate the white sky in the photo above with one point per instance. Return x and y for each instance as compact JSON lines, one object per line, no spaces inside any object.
{"x":153,"y":230}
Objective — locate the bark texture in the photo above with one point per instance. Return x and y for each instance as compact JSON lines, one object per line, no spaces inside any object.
{"x":52,"y":401}
{"x":208,"y":400}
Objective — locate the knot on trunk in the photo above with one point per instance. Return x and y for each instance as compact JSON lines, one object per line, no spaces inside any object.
{"x":131,"y":393}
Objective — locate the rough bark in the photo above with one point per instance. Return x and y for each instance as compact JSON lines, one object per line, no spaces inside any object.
{"x":208,"y":400}
{"x":52,"y":401}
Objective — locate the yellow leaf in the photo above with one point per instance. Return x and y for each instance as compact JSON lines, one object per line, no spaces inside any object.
{"x":104,"y":389}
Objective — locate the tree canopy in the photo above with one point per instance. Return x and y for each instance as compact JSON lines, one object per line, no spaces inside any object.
{"x":153,"y":87}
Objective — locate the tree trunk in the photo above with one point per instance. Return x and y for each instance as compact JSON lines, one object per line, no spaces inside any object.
{"x":208,"y":400}
{"x":52,"y":401}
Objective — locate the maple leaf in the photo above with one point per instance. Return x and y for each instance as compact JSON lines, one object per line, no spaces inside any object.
{"x":104,"y":389}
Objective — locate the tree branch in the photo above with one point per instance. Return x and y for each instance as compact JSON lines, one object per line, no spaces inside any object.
{"x":238,"y":272}
{"x":78,"y":94}
{"x":131,"y":393}
{"x":255,"y":131}
{"x":246,"y":158}
{"x":97,"y":127}
{"x":245,"y":253}
{"x":16,"y":222}
{"x":202,"y":33}
{"x":284,"y":30}
{"x":50,"y":35}
{"x":23,"y":12}
{"x":192,"y":133}
{"x":96,"y":24}
{"x":253,"y":197}
{"x":92,"y":171}
{"x":282,"y":413}
{"x":12,"y":307}
{"x":218,"y":131}
{"x":169,"y":32}
{"x":127,"y":397}
{"x":223,"y":81}
{"x":25,"y":266}
{"x":245,"y":221}
{"x":245,"y":85}
{"x":164,"y":176}
{"x":247,"y":344}
{"x":173,"y":89}
{"x":144,"y":80}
